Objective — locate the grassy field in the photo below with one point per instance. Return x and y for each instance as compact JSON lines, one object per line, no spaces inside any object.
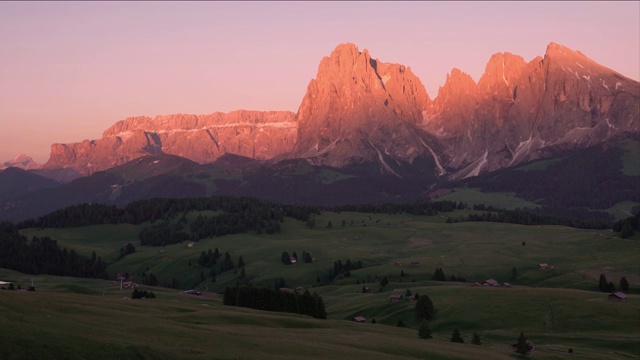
{"x":475,"y":196}
{"x":622,"y":209}
{"x":558,"y":308}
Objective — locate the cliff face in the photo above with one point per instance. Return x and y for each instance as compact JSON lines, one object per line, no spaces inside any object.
{"x":204,"y":138}
{"x":359,"y":109}
{"x":523,"y":111}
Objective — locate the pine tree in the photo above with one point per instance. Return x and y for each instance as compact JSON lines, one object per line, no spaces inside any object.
{"x":424,"y":309}
{"x":456,"y":337}
{"x":602,"y":284}
{"x":424,"y":332}
{"x":624,"y":284}
{"x":522,"y":347}
{"x":240,"y":262}
{"x":476,"y":339}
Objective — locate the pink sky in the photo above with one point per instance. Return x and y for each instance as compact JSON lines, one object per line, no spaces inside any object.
{"x":69,"y":70}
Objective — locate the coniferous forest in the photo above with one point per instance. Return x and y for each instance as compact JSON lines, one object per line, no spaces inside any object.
{"x":44,"y":256}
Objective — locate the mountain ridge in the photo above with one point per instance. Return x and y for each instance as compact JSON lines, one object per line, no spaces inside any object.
{"x":359,"y":109}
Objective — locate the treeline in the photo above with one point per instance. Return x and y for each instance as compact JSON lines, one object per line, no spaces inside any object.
{"x":276,"y":300}
{"x":414,"y":208}
{"x":527,"y":217}
{"x":249,"y":213}
{"x":44,"y":256}
{"x":141,"y":211}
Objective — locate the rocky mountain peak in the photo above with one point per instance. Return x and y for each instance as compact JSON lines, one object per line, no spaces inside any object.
{"x":21,"y":161}
{"x":501,"y":74}
{"x":355,"y":103}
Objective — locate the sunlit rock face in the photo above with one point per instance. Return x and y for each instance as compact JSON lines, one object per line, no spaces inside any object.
{"x":201,"y":138}
{"x":522,"y":111}
{"x":360,"y":109}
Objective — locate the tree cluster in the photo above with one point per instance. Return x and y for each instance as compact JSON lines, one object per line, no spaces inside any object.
{"x":628,"y":226}
{"x":42,"y":255}
{"x":609,"y":286}
{"x":343,"y":269}
{"x":276,"y":300}
{"x":439,"y":275}
{"x":142,"y":294}
{"x":208,"y":259}
{"x":414,"y":208}
{"x":127,"y":249}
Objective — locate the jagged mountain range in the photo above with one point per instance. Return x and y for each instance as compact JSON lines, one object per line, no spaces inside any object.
{"x":366,"y":131}
{"x":359,"y":109}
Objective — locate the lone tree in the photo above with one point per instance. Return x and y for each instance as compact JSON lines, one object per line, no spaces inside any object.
{"x":522,"y":347}
{"x":602,"y":283}
{"x":476,"y":339}
{"x":424,"y":332}
{"x":456,"y":338}
{"x":624,"y":284}
{"x":424,"y":308}
{"x":285,"y":258}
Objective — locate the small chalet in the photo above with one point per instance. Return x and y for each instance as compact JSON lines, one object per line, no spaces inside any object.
{"x":191,"y":244}
{"x":476,"y":284}
{"x":192,"y":292}
{"x":411,"y":298}
{"x":129,"y":285}
{"x":293,"y":260}
{"x":543,"y":266}
{"x":415,"y":263}
{"x":619,"y":296}
{"x":300,"y":289}
{"x":506,"y":285}
{"x":367,"y":290}
{"x":491,"y":283}
{"x":359,"y":319}
{"x":395,"y":298}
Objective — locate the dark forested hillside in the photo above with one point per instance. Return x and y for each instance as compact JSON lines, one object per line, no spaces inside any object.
{"x":589,"y":179}
{"x":44,"y":256}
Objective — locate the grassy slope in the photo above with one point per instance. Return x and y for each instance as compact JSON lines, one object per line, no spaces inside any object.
{"x":552,"y":307}
{"x":61,"y":320}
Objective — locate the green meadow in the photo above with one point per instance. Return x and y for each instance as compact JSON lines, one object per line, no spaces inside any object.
{"x":559,"y":308}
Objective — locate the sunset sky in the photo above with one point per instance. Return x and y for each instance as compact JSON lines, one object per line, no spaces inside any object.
{"x":69,"y":70}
